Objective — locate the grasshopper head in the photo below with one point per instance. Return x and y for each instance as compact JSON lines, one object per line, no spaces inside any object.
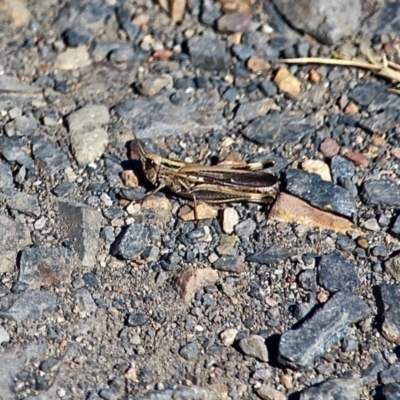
{"x":151,"y":164}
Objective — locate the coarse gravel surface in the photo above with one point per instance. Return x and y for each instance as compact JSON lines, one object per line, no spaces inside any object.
{"x":105,"y":297}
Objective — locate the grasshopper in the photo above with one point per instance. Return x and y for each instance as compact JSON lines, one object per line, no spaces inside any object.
{"x":214,"y":184}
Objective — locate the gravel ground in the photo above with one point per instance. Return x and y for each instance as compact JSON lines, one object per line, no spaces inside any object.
{"x":105,"y":298}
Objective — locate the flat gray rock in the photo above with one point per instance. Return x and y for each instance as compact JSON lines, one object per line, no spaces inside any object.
{"x":11,"y":88}
{"x":277,"y":127}
{"x":208,"y":53}
{"x":321,"y":194}
{"x":343,"y":389}
{"x":337,"y":273}
{"x":299,"y":348}
{"x":131,"y":242}
{"x":87,"y":117}
{"x":44,"y":266}
{"x":381,"y":192}
{"x":29,"y":306}
{"x":24,"y":203}
{"x":15,"y":236}
{"x":326,"y":21}
{"x":83,"y":225}
{"x":157,"y":115}
{"x":52,"y":158}
{"x":6,"y":178}
{"x":89,"y":145}
{"x":13,"y":360}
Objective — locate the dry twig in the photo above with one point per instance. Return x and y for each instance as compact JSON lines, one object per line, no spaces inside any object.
{"x":386,"y":69}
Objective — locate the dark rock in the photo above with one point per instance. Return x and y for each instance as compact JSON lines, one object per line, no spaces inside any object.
{"x":100,"y":50}
{"x":374,"y":96}
{"x":395,"y":229}
{"x":254,"y":346}
{"x":137,"y":319}
{"x":319,"y":193}
{"x":44,"y":266}
{"x":379,"y":251}
{"x":63,"y":189}
{"x":6,"y":179}
{"x":230,"y":94}
{"x":170,"y":261}
{"x":132,"y":194}
{"x":273,"y":127}
{"x":108,"y":234}
{"x":90,"y":279}
{"x":234,"y":22}
{"x":12,"y":150}
{"x":268,"y":88}
{"x":344,"y":389}
{"x":242,"y":51}
{"x":391,"y":375}
{"x":390,"y":297}
{"x":114,"y":212}
{"x":299,"y":348}
{"x":124,"y":19}
{"x":229,"y":264}
{"x":23,"y":125}
{"x":12,"y":88}
{"x":149,"y":117}
{"x":47,"y":153}
{"x":24,"y":203}
{"x":301,"y":310}
{"x":74,"y":37}
{"x":381,"y":122}
{"x":83,"y":226}
{"x":13,"y":361}
{"x":384,"y":22}
{"x":189,"y":351}
{"x":14,"y":237}
{"x":370,"y":374}
{"x":303,"y":49}
{"x":245,"y":228}
{"x":345,"y":243}
{"x":83,"y":15}
{"x":383,"y":192}
{"x":131,"y":242}
{"x":308,"y":280}
{"x":324,"y":20}
{"x":248,"y":111}
{"x":208,"y":53}
{"x":122,"y":54}
{"x":336,"y":273}
{"x":30,"y":306}
{"x":192,"y":236}
{"x":209,"y":12}
{"x":391,"y":391}
{"x":84,"y":301}
{"x":341,"y":168}
{"x":270,"y":255}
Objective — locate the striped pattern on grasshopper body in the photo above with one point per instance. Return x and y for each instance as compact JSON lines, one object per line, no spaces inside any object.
{"x":214,"y":184}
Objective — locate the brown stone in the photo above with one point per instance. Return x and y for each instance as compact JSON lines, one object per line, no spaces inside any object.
{"x":287,"y":83}
{"x":189,"y":281}
{"x":329,"y":147}
{"x":357,"y":158}
{"x":129,"y":178}
{"x":351,"y":109}
{"x":290,"y":209}
{"x":257,"y":64}
{"x":314,"y":76}
{"x":204,"y":211}
{"x":317,"y":167}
